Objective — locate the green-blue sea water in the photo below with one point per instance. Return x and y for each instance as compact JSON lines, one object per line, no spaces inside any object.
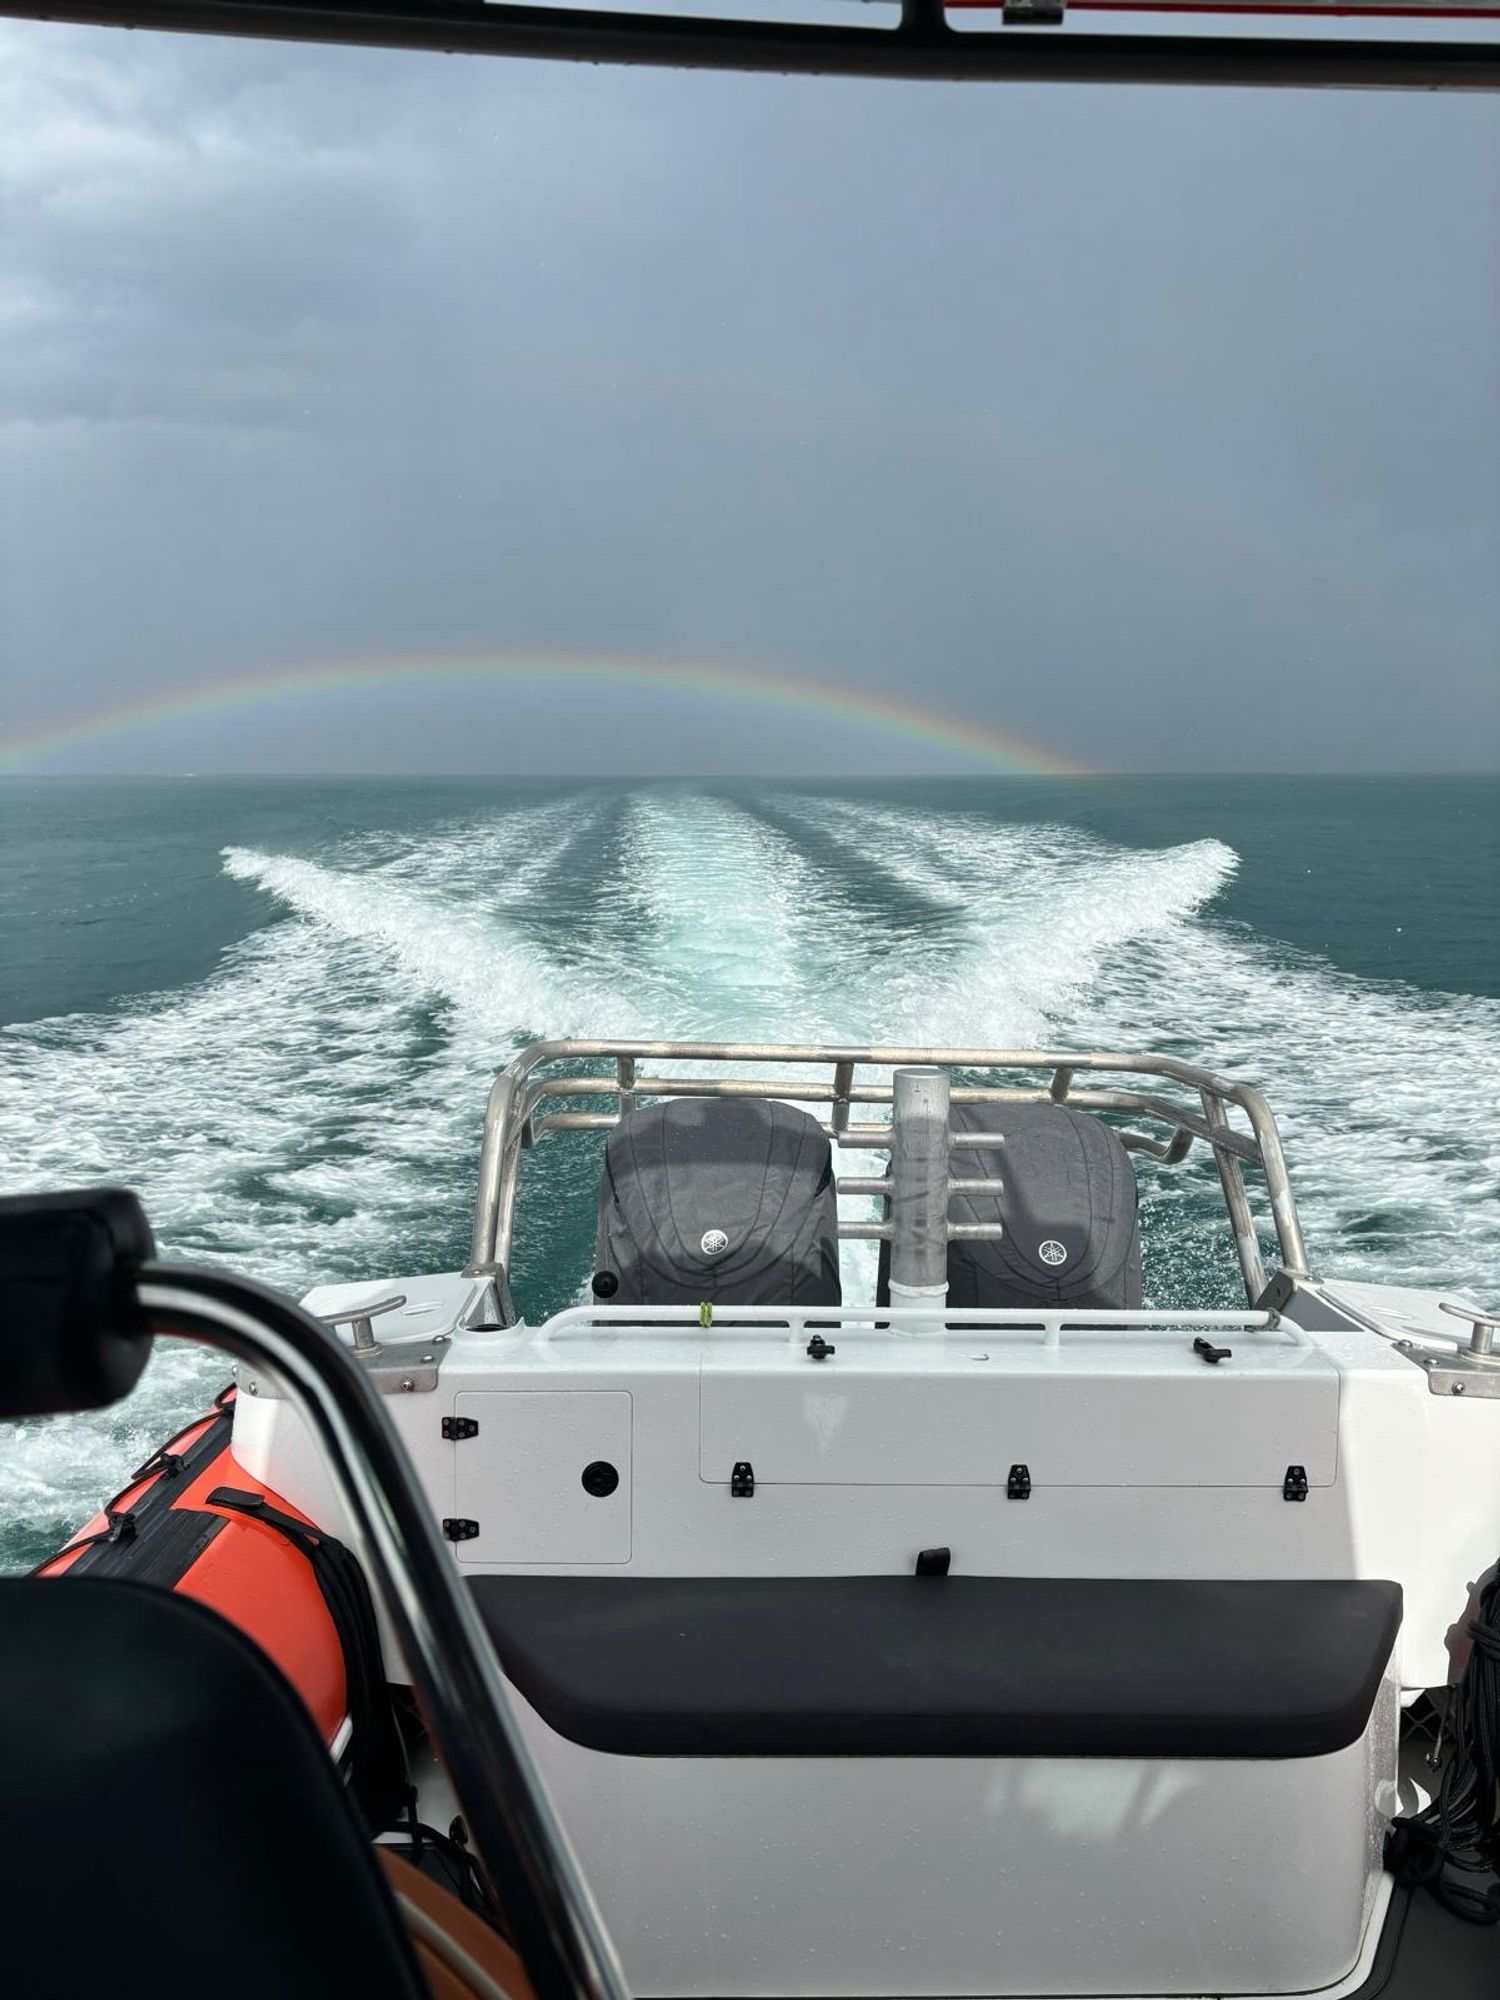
{"x":272,"y":1006}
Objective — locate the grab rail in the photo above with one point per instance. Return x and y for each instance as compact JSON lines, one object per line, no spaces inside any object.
{"x":514,"y":1120}
{"x":515,"y":1833}
{"x":801,"y":1320}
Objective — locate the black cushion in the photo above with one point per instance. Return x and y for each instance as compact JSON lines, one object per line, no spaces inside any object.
{"x":944,"y":1666}
{"x":171,"y":1817}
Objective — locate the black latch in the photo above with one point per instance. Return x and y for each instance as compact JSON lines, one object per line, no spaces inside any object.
{"x":1294,"y":1486}
{"x":460,"y":1427}
{"x":1211,"y":1353}
{"x":742,"y":1480}
{"x":459,"y":1530}
{"x":934,"y":1562}
{"x":819,"y":1348}
{"x":1018,"y":1486}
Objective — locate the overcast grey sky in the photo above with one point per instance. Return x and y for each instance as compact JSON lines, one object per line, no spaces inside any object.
{"x":1159,"y":428}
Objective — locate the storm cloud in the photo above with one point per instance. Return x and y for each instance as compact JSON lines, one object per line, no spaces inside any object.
{"x":1161,"y":428}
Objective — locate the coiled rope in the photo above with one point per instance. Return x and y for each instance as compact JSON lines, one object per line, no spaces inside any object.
{"x":1458,"y":1835}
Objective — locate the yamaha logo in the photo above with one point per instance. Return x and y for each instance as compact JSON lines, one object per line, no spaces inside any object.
{"x":1052,"y":1252}
{"x":714,"y":1243}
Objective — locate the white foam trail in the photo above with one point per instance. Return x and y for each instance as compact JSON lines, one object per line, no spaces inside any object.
{"x":735,"y":929}
{"x":745,"y":939}
{"x":1043,"y":909}
{"x":438,"y":946}
{"x":321,"y":1095}
{"x":501,"y":862}
{"x":1385,"y":1095}
{"x":313,"y":1110}
{"x":58,"y":1471}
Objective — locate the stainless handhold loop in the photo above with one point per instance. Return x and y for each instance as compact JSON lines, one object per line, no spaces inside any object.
{"x":359,"y":1318}
{"x":1482,"y":1325}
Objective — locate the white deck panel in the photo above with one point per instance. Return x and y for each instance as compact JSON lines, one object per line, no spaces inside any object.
{"x":1128,"y":1408}
{"x":525,"y":1486}
{"x":756,"y":1878}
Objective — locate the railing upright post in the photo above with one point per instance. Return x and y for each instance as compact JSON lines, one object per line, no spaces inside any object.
{"x":1241,"y":1219}
{"x":919,"y":1186}
{"x":843,"y":1081}
{"x":491,"y":1174}
{"x":1278,"y":1183}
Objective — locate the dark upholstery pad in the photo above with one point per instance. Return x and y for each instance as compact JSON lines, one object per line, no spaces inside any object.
{"x":944,"y":1666}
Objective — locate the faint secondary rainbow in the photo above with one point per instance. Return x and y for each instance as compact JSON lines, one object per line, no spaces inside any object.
{"x":907,"y":720}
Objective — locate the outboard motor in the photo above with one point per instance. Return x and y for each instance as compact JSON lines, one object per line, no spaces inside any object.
{"x":726,"y":1199}
{"x":1068,"y":1211}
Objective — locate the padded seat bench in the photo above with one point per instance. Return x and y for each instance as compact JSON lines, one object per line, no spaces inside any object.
{"x":952,"y":1666}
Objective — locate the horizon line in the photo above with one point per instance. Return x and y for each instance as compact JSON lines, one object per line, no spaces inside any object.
{"x":769,"y":777}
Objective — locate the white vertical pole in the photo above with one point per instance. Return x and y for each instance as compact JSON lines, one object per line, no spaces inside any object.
{"x":919,"y":1187}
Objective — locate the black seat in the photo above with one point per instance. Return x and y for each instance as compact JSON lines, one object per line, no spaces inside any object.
{"x":171,"y":1817}
{"x":945,"y":1666}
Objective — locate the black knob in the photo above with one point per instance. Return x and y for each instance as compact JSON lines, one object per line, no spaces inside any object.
{"x":606,"y":1284}
{"x":819,"y":1348}
{"x":600,"y":1479}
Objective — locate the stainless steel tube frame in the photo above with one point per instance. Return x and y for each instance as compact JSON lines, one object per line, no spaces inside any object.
{"x":515,"y":1834}
{"x":510,"y":1120}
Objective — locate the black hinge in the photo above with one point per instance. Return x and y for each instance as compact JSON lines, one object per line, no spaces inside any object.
{"x":1018,"y":1486}
{"x":460,"y":1427}
{"x":459,"y":1530}
{"x":1294,"y":1486}
{"x":819,"y":1349}
{"x":742,"y":1480}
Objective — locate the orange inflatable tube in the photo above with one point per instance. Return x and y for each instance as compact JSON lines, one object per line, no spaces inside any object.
{"x":164,"y":1529}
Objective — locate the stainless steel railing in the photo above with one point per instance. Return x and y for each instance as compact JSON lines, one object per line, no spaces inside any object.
{"x":463,"y":1696}
{"x":515,"y":1120}
{"x":1051,"y":1326}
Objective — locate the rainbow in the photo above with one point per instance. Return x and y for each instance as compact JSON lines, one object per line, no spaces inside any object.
{"x":990,"y":747}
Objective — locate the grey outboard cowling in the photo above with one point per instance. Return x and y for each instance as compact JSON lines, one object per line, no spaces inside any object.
{"x":727,"y":1199}
{"x":1068,"y":1211}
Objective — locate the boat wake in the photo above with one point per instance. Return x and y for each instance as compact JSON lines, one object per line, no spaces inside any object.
{"x":313,"y":1109}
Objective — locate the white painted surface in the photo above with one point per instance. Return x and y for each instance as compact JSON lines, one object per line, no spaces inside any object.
{"x":827,"y":1877}
{"x":978,"y":1876}
{"x":1132,"y":1408}
{"x":1399,"y":1310}
{"x":1414,"y":1493}
{"x":521,"y":1477}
